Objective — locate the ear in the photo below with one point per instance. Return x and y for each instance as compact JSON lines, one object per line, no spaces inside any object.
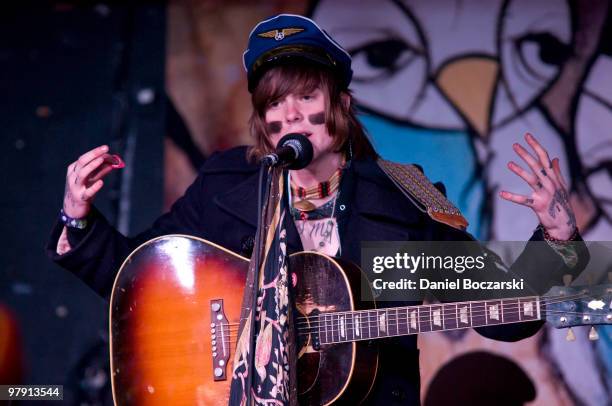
{"x":346,"y":100}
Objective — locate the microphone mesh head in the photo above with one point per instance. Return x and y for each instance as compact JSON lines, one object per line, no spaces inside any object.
{"x":301,"y":145}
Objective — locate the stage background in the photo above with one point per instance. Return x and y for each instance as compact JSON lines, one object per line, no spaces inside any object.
{"x":446,"y":84}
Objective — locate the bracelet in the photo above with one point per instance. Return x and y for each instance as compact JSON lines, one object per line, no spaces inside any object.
{"x":68,"y":221}
{"x":550,"y":238}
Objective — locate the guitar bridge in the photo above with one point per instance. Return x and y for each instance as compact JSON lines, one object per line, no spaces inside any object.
{"x":219,"y":340}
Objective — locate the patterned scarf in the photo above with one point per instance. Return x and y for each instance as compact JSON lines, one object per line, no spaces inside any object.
{"x":274,"y":381}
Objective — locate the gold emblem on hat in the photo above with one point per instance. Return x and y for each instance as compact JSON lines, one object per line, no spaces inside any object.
{"x":279,"y":35}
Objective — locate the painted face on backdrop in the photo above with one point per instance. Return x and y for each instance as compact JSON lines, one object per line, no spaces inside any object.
{"x":300,"y":113}
{"x":440,"y":80}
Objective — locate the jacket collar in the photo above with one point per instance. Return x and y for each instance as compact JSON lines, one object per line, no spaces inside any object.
{"x":365,"y":190}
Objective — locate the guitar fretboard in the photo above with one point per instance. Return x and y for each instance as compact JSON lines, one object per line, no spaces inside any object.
{"x":349,"y":326}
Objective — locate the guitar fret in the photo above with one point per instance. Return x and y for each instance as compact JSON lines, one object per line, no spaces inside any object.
{"x":479,"y":317}
{"x":471,"y":321}
{"x":437,"y":318}
{"x":424,"y":319}
{"x":464,"y":316}
{"x":336,"y":330}
{"x":396,"y":321}
{"x":375,"y":324}
{"x":403,"y":327}
{"x":493,"y":311}
{"x":382,"y":323}
{"x":413,"y":326}
{"x":529,"y":309}
{"x":392,"y":322}
{"x":450,"y":316}
{"x":322,"y":334}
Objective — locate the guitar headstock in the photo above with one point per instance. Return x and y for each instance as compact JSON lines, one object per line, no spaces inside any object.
{"x":578,"y":306}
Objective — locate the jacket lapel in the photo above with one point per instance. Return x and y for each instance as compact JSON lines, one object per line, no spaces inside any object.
{"x":241,"y":202}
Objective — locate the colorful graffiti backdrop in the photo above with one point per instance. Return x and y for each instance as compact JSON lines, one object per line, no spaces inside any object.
{"x":450,"y":85}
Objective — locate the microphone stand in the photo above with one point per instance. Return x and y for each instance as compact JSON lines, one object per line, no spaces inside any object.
{"x":261,"y":197}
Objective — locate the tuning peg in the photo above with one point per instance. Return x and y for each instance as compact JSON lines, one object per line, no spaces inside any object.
{"x":570,"y":335}
{"x":593,"y":334}
{"x":567,"y":279}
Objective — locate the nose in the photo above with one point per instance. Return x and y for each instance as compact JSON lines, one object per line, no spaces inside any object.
{"x":292,"y":112}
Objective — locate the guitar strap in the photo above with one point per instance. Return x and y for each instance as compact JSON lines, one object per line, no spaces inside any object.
{"x":422,"y":193}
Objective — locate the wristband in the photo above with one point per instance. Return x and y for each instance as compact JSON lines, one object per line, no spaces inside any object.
{"x":80,"y":223}
{"x":550,"y":238}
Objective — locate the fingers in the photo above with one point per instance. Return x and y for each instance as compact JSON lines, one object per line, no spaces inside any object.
{"x":103,"y":170}
{"x":86,"y":158}
{"x":528,"y":177}
{"x":557,"y":171}
{"x":90,"y":192}
{"x":91,"y":155}
{"x":516,"y":198}
{"x":539,"y":150}
{"x":83,"y":173}
{"x":535,"y":165}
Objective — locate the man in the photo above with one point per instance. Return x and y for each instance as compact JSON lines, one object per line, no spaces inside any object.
{"x":299,"y":80}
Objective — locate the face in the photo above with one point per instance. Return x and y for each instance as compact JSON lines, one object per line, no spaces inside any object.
{"x":300,"y":113}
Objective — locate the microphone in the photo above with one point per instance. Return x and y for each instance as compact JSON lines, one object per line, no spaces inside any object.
{"x":293,"y":151}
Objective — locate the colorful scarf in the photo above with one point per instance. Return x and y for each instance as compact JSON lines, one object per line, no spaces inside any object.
{"x":273,"y":382}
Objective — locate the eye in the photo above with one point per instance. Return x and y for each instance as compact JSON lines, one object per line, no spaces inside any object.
{"x":378,"y":59}
{"x":539,"y":52}
{"x":273,"y":104}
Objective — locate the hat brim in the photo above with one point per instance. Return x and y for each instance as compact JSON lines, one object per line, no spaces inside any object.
{"x":288,"y":55}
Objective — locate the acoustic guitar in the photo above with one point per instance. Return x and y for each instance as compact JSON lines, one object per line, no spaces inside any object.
{"x":175,"y":309}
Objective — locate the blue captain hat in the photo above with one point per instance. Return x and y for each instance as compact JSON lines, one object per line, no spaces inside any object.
{"x":293,"y":39}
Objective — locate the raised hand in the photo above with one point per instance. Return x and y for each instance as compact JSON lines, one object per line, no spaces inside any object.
{"x":550,"y":198}
{"x":84,"y":180}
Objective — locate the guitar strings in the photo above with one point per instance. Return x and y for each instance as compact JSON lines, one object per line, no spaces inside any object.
{"x":368,"y":324}
{"x":230,"y":340}
{"x":474,"y":304}
{"x":373,"y":316}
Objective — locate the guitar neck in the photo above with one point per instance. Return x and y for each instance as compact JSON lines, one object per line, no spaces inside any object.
{"x":358,"y":325}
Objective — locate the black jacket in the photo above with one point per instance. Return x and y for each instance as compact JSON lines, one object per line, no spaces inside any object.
{"x":220,"y":206}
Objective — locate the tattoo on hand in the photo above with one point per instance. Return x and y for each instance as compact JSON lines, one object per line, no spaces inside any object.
{"x":560,"y":198}
{"x":543,"y":171}
{"x":529,"y":201}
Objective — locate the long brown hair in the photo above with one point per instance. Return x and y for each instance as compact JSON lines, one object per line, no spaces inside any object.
{"x":340,"y":118}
